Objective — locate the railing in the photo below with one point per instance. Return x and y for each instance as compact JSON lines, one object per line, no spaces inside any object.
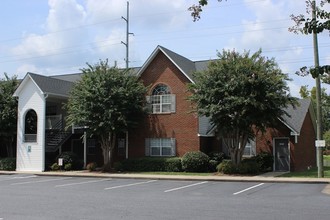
{"x":30,"y":137}
{"x":54,"y":122}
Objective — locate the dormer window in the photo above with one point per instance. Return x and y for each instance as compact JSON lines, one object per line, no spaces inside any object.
{"x":161,"y":100}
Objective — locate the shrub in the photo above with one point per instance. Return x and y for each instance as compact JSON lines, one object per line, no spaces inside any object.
{"x":68,"y":166}
{"x":72,"y":158}
{"x":168,"y":164}
{"x":54,"y":167}
{"x":265,"y":160}
{"x":248,"y":166}
{"x":8,"y":163}
{"x":91,"y":166}
{"x":217,"y":156}
{"x":213,"y":165}
{"x":227,"y":167}
{"x":195,"y":161}
{"x":326,"y":152}
{"x":173,"y":164}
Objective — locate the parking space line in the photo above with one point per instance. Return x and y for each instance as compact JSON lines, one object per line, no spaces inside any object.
{"x":244,"y":190}
{"x":132,"y":184}
{"x":182,"y":187}
{"x":18,"y":177}
{"x":40,"y":181}
{"x":80,"y":183}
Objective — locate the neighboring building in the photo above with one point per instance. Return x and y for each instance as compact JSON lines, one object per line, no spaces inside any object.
{"x":170,"y":129}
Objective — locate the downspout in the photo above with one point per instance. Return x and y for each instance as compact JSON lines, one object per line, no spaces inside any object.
{"x":44,"y":132}
{"x":126,"y":145}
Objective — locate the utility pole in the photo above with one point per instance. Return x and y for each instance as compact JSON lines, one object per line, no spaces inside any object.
{"x":319,"y":149}
{"x":127,"y":35}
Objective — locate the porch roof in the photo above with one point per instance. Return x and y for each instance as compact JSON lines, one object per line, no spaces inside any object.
{"x":47,"y":85}
{"x":294,"y":120}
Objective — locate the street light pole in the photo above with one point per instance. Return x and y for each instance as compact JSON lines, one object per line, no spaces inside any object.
{"x":319,"y":149}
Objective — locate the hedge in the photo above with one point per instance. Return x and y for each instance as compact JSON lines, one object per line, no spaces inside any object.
{"x":8,"y":163}
{"x":167,"y":164}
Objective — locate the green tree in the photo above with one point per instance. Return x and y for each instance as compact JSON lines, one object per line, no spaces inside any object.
{"x":307,"y":25}
{"x":8,"y":114}
{"x":240,"y":94}
{"x":196,"y":10}
{"x":325,"y":104}
{"x":107,"y":100}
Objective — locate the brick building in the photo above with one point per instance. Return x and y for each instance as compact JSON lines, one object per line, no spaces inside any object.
{"x":169,"y":129}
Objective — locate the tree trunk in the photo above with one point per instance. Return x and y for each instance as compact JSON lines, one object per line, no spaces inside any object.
{"x":108,"y":145}
{"x":235,"y":143}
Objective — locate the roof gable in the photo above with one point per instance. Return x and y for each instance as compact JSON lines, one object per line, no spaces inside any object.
{"x":297,"y":115}
{"x":46,"y":85}
{"x":186,"y":66}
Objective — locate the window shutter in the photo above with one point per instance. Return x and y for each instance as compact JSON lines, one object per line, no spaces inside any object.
{"x":147,"y":146}
{"x":148,"y":104}
{"x":173,"y":103}
{"x":173,"y":147}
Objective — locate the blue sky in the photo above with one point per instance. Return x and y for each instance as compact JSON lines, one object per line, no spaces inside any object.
{"x":59,"y":36}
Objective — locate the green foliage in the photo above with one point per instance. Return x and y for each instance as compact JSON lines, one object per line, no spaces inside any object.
{"x":107,"y":100}
{"x":325,"y":105}
{"x":8,"y":163}
{"x":265,"y":161}
{"x":8,"y":113}
{"x":213,"y":165}
{"x":68,"y":166}
{"x":54,"y":167}
{"x":195,"y":161}
{"x":326,"y":137}
{"x":217,"y":156}
{"x":170,"y":164}
{"x":91,"y":166}
{"x":239,"y":92}
{"x":227,"y":167}
{"x":248,"y":166}
{"x":71,"y":158}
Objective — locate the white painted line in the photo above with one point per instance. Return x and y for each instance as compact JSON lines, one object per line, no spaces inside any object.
{"x":40,"y":181}
{"x":132,"y":184}
{"x":182,"y":187}
{"x":24,"y":177}
{"x":80,"y":183}
{"x":18,"y":177}
{"x":244,"y":190}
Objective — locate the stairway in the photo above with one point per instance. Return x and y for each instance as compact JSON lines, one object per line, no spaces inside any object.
{"x":54,"y":139}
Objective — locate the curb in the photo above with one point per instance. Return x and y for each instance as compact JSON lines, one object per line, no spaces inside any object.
{"x":269,"y":179}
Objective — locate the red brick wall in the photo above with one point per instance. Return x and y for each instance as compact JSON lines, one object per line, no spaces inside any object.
{"x":305,"y":152}
{"x":302,"y":153}
{"x":181,"y":125}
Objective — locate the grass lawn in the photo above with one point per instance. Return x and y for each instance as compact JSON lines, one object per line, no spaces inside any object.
{"x":312,"y":173}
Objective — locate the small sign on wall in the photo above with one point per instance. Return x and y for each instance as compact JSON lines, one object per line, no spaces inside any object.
{"x":60,"y":161}
{"x":29,"y":149}
{"x":320,"y":143}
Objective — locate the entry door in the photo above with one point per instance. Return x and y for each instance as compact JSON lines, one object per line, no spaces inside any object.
{"x":282,"y":154}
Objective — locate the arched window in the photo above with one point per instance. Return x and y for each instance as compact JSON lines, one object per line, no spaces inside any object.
{"x":161,"y":100}
{"x":31,"y":126}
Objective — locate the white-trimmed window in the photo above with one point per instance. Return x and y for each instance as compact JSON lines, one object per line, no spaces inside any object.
{"x":250,"y":148}
{"x":162,"y":147}
{"x":161,"y":100}
{"x":31,"y":126}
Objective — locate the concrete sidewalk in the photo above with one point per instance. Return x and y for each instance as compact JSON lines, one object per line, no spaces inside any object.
{"x":267,"y":177}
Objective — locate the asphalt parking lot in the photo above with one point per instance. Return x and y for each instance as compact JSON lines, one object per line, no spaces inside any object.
{"x":24,"y":196}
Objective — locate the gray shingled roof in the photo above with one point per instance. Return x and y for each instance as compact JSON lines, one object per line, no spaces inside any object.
{"x":186,"y":65}
{"x":51,"y":85}
{"x":297,"y":115}
{"x":294,"y":121}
